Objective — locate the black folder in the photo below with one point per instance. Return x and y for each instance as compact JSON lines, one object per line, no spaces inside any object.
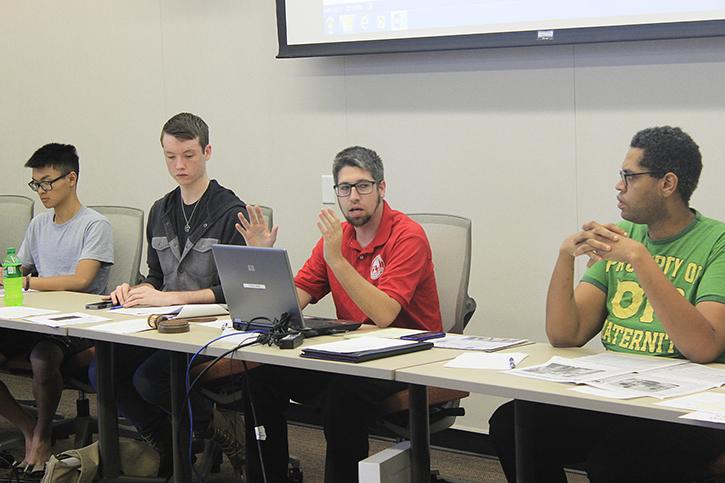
{"x":366,"y":355}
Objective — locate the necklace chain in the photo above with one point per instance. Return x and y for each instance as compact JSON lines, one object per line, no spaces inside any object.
{"x":187,"y":226}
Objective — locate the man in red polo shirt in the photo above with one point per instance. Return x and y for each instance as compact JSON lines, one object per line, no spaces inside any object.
{"x":379,"y":268}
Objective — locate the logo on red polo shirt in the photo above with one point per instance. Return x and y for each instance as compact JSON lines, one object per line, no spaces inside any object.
{"x":377,"y":268}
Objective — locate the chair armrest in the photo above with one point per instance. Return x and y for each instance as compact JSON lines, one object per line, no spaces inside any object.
{"x":398,"y":402}
{"x":223,"y":369}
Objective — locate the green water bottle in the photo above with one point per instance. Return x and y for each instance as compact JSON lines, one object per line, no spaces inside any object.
{"x":12,"y":279}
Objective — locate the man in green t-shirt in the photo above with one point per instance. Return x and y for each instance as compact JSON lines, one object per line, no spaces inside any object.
{"x":655,"y":285}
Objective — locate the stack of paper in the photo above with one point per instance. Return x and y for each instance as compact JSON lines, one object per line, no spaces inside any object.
{"x":362,"y":349}
{"x":61,"y":320}
{"x":181,"y":311}
{"x":477,"y":343}
{"x":22,"y":312}
{"x":622,"y":376}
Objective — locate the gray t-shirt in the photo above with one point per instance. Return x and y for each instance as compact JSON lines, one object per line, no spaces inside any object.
{"x":55,"y":249}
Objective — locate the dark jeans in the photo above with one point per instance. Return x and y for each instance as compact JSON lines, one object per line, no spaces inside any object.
{"x":611,"y":448}
{"x":143,"y":378}
{"x":349,"y":405}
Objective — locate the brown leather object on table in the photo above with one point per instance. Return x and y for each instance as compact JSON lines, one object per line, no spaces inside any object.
{"x":168,"y":324}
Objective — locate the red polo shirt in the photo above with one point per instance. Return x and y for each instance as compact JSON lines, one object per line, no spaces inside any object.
{"x":398,"y":261}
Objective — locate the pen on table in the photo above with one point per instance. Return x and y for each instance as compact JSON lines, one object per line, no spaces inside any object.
{"x":512,"y":363}
{"x":115,"y":307}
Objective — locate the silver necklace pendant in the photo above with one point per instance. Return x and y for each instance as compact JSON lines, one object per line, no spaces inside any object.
{"x":187,"y":226}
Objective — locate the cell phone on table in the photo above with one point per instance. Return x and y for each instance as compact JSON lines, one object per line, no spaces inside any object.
{"x":103,"y":304}
{"x":423,"y":336}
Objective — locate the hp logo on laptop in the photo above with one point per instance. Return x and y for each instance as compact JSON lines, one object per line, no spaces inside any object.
{"x":250,"y":268}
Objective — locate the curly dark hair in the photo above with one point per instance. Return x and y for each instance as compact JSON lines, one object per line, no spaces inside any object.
{"x":671,"y":150}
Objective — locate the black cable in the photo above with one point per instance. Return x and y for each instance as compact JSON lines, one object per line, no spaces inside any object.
{"x":191,"y":388}
{"x":254,"y":420}
{"x":280,"y":328}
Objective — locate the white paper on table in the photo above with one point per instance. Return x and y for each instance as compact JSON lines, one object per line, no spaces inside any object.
{"x":124,"y":327}
{"x":477,"y":342}
{"x":146,"y":311}
{"x":222,"y":324}
{"x":562,"y":369}
{"x":61,"y":320}
{"x":486,"y":360}
{"x":694,"y":372}
{"x":190,"y":310}
{"x":703,"y":416}
{"x":595,"y":391}
{"x":359,"y":344}
{"x":710,"y":402}
{"x":22,"y":312}
{"x":631,"y":362}
{"x":650,"y":384}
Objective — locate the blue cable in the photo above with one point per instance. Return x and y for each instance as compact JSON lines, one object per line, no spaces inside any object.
{"x":188,"y":384}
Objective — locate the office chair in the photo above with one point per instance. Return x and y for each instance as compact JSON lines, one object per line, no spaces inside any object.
{"x":127,"y":225}
{"x":17,"y":211}
{"x":128,"y":235}
{"x":450,"y":241}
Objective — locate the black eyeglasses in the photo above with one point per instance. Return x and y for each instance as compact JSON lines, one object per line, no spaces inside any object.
{"x":364,"y":187}
{"x":626,"y":175}
{"x":45,"y":185}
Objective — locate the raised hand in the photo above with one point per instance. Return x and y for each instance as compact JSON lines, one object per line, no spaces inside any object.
{"x":331,"y":228}
{"x":255,"y":231}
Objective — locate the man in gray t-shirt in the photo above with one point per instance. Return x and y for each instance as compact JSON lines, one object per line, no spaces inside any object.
{"x":70,"y":248}
{"x":55,"y":249}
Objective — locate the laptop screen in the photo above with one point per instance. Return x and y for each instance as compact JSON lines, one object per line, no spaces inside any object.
{"x":257,"y":284}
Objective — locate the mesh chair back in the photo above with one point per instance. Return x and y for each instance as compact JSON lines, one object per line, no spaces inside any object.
{"x":15,"y":212}
{"x":450,"y":241}
{"x":127,"y":226}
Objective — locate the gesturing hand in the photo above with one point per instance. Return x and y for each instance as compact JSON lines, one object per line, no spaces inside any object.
{"x":331,"y":229}
{"x":255,"y":231}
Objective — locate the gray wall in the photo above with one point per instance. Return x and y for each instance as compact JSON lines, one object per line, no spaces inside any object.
{"x":526,"y":142}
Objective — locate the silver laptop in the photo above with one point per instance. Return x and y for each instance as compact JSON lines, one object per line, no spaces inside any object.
{"x":259,"y":288}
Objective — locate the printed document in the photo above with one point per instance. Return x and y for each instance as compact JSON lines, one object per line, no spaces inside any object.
{"x":476,"y":343}
{"x":181,"y":311}
{"x":61,"y":320}
{"x":22,"y":312}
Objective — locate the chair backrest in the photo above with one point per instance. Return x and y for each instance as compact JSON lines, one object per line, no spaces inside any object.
{"x":268,"y":214}
{"x":128,"y":234}
{"x":450,"y":242}
{"x":15,"y":212}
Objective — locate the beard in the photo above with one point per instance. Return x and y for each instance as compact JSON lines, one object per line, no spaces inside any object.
{"x":358,"y":222}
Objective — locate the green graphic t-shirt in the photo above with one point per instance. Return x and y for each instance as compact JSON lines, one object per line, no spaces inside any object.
{"x":693,"y":260}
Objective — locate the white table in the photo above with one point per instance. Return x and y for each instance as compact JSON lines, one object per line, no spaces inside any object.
{"x":500,"y":383}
